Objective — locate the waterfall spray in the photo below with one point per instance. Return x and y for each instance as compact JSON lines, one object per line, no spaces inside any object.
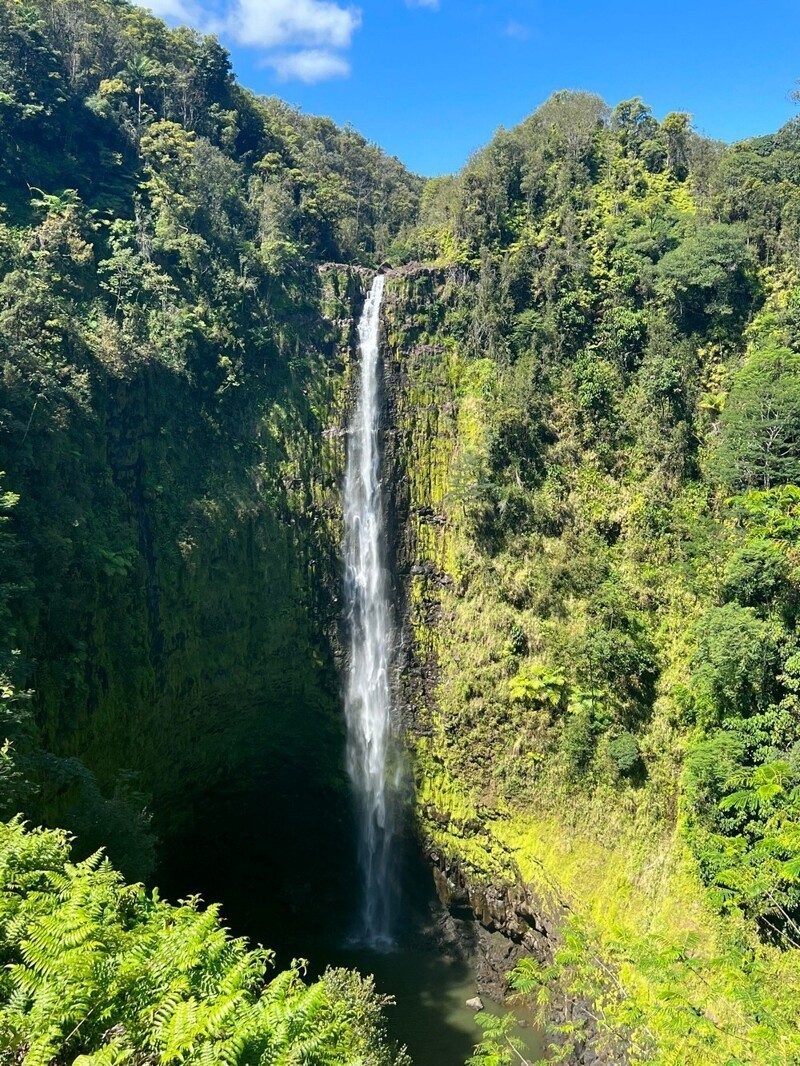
{"x":368,"y":695}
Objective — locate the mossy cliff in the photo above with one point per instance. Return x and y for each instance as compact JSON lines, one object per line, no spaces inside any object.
{"x":599,"y":594}
{"x":586,"y":880}
{"x":182,"y":595}
{"x":211,"y":606}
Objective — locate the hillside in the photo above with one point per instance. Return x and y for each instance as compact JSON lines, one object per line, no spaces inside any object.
{"x":597,"y":423}
{"x":174,"y":374}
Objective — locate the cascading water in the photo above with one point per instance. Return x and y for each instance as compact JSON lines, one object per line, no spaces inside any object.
{"x":368,"y":695}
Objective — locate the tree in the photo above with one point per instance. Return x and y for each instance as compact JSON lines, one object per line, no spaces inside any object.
{"x":676,"y":128}
{"x":760,"y":431}
{"x":732,"y":664}
{"x":140,"y":70}
{"x":638,"y":132}
{"x":709,"y":281}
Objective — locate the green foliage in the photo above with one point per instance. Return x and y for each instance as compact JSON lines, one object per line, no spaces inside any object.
{"x":709,"y":280}
{"x":762,"y":868}
{"x":624,"y":750}
{"x":535,"y":684}
{"x":709,"y":765}
{"x":757,"y":575}
{"x":499,"y":1046}
{"x":98,"y":971}
{"x":651,"y":1000}
{"x":624,"y":500}
{"x":579,"y":737}
{"x":760,"y":424}
{"x":734,"y":663}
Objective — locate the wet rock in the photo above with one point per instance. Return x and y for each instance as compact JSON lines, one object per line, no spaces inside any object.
{"x":476,"y":1003}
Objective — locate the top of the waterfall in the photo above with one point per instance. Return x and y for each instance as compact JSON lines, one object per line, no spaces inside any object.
{"x":385,"y":269}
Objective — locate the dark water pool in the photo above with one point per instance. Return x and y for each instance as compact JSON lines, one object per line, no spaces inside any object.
{"x":285,"y":879}
{"x":430,"y":1015}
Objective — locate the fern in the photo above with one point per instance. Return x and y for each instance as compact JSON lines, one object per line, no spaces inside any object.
{"x":101,"y":973}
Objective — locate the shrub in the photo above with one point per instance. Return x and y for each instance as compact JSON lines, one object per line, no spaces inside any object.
{"x":624,"y":751}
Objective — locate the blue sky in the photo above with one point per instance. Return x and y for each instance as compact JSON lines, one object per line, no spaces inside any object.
{"x":430,"y":80}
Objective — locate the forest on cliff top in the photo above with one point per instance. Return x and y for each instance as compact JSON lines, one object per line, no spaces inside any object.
{"x":599,"y":436}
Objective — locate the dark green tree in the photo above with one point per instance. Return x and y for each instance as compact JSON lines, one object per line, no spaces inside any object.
{"x":760,"y":428}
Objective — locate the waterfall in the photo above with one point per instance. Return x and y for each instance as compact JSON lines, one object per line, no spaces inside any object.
{"x":368,"y":696}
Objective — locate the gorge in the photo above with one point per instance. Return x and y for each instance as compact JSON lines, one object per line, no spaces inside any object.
{"x":469,"y":631}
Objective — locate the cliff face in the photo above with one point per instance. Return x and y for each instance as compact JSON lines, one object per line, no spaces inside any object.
{"x":180,"y":618}
{"x":425,"y":418}
{"x":592,"y":664}
{"x":433,"y":414}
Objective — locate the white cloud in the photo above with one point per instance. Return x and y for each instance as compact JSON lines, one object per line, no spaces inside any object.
{"x":278,"y":23}
{"x":174,"y":10}
{"x":309,"y":65}
{"x":432,"y":4}
{"x":302,"y":40}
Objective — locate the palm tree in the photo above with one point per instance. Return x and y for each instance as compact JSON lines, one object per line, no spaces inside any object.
{"x":138,"y":71}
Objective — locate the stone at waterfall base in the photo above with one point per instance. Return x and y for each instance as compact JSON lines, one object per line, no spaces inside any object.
{"x":476,"y":1003}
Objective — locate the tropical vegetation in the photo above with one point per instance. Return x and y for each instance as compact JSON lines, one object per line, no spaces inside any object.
{"x":593,"y":371}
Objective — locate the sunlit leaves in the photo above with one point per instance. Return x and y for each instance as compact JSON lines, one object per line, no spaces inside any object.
{"x":99,"y":971}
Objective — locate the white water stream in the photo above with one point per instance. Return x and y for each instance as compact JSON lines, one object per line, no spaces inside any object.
{"x":368,"y":695}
